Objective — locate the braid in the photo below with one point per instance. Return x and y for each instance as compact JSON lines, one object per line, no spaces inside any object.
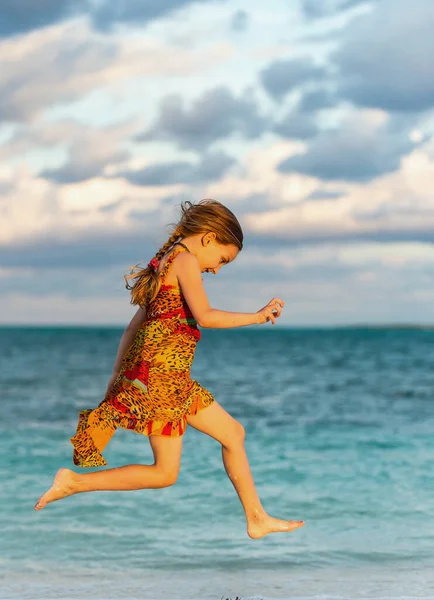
{"x":173,"y":238}
{"x":147,"y":284}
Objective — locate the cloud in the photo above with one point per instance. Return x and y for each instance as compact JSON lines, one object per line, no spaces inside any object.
{"x":34,"y":68}
{"x":345,"y":225}
{"x":217,"y":114}
{"x":297,"y":209}
{"x":391,"y":209}
{"x":328,"y":229}
{"x":363,"y":147}
{"x":106,"y":223}
{"x":297,"y":126}
{"x":278,"y":208}
{"x":283,"y":76}
{"x":84,"y":250}
{"x":240,"y":20}
{"x":97,"y":207}
{"x":110,"y":13}
{"x":315,"y":100}
{"x":63,"y":63}
{"x":312,"y":9}
{"x":385,"y":57}
{"x":91,"y":150}
{"x":301,"y":121}
{"x":211,"y":167}
{"x":259,"y":181}
{"x":104,"y":307}
{"x":327,"y":284}
{"x":321,"y":194}
{"x":20,"y":16}
{"x":347,"y":282}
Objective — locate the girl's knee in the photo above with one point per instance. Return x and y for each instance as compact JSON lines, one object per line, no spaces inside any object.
{"x":168,"y":478}
{"x":240,"y":431}
{"x":235,"y":436}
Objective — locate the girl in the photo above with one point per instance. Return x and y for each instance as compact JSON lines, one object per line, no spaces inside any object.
{"x":151,"y":391}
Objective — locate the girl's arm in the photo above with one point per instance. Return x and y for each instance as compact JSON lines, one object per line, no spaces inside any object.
{"x":189,"y":276}
{"x":125,"y":342}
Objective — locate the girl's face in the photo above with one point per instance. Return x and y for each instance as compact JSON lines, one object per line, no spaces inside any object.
{"x":212,"y":255}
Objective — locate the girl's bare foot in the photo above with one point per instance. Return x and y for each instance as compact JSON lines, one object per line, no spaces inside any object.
{"x":64,"y":484}
{"x":258,"y":528}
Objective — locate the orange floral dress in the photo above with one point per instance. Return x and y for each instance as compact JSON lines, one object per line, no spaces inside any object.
{"x":153,"y":393}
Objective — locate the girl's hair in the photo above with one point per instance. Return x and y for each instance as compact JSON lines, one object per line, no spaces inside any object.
{"x":203,"y":217}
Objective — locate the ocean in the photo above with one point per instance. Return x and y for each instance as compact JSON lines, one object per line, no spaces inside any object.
{"x":339,"y":426}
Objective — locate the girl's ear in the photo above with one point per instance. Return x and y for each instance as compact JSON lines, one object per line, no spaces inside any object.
{"x":207,"y":238}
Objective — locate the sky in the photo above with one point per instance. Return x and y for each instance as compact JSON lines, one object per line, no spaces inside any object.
{"x":311,"y":120}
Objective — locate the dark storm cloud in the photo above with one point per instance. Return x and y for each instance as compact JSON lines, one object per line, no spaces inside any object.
{"x":385,"y":58}
{"x":240,"y":20}
{"x":354,"y":152}
{"x":71,"y":173}
{"x":211,"y":167}
{"x":297,"y":126}
{"x":314,"y":100}
{"x":282,"y":76}
{"x":20,"y":16}
{"x":300,"y":122}
{"x":216,"y":114}
{"x":133,"y":12}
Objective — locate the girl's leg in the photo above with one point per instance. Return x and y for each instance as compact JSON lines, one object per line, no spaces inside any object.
{"x":164,"y":472}
{"x":217,"y":423}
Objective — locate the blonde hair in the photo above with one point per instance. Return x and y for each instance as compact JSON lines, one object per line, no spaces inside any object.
{"x":203,"y":217}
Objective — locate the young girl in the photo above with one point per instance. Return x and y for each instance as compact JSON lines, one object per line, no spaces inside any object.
{"x":151,"y":391}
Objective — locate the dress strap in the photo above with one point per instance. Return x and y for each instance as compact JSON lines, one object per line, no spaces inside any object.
{"x":183,"y":245}
{"x":170,"y":258}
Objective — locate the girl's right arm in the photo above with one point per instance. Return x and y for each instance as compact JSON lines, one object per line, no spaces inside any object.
{"x":189,"y":276}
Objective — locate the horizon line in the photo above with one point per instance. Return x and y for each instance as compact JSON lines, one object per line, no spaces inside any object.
{"x":354,"y":325}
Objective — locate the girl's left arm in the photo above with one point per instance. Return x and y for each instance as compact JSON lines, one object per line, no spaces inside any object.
{"x":127,"y":339}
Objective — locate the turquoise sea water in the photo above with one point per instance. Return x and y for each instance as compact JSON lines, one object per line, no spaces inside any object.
{"x":339,"y":433}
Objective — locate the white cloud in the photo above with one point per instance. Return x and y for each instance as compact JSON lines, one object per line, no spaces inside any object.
{"x":389,"y":205}
{"x":62,"y":63}
{"x":259,"y":176}
{"x":28,"y":206}
{"x":32,"y":207}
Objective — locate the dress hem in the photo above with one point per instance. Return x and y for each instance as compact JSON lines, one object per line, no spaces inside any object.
{"x":93,"y":433}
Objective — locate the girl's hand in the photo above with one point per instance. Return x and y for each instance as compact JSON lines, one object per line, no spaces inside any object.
{"x":110,"y":383}
{"x":270,"y":312}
